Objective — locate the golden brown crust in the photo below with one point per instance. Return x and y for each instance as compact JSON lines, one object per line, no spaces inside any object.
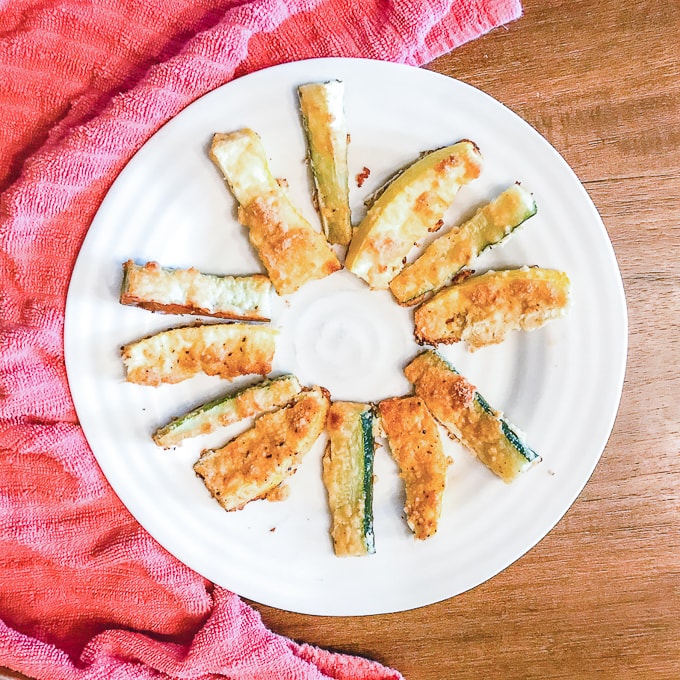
{"x":252,"y":400}
{"x":448,"y":389}
{"x":481,"y":310}
{"x":255,"y":463}
{"x":409,"y":207}
{"x":292,"y":251}
{"x":226,"y":350}
{"x":416,"y":447}
{"x":128,"y":299}
{"x":292,"y":254}
{"x":454,"y":402}
{"x":446,"y":255}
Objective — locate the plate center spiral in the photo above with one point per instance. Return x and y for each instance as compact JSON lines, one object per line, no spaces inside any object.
{"x":347,"y":338}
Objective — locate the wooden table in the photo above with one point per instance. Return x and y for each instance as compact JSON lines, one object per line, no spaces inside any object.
{"x":600,"y":595}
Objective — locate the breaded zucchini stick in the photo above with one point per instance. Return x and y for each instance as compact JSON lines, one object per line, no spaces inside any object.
{"x":457,"y":405}
{"x":292,"y":251}
{"x":411,"y":205}
{"x":225,"y":349}
{"x":447,"y":255}
{"x":416,"y":447}
{"x":256,"y":462}
{"x":227,"y":409}
{"x":348,"y":477}
{"x":323,"y":120}
{"x":188,"y":291}
{"x":482,"y":309}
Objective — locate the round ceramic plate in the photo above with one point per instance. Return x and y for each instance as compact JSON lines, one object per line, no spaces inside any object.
{"x":560,"y":384}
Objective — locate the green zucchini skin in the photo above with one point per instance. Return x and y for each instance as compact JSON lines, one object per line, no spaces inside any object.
{"x":468,"y":417}
{"x":228,"y":409}
{"x":348,"y":477}
{"x":410,"y":207}
{"x":323,"y":121}
{"x":367,"y":419}
{"x":491,"y":225}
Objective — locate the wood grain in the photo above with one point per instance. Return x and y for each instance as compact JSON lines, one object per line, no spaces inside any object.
{"x":599,"y":597}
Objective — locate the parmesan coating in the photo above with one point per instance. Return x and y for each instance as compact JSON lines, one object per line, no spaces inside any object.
{"x":227,"y":350}
{"x":292,"y":251}
{"x":482,"y":309}
{"x":417,"y":449}
{"x":448,"y":254}
{"x":257,"y":461}
{"x":469,"y":419}
{"x":409,"y":208}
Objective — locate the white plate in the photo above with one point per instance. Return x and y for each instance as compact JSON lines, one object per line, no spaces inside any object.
{"x":561,"y":384}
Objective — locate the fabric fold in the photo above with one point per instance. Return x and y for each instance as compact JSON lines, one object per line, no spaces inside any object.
{"x":85,"y":592}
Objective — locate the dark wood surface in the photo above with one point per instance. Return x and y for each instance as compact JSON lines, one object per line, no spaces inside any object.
{"x":600,"y":595}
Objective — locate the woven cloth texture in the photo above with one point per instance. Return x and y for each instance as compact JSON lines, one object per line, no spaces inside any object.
{"x":85,"y":592}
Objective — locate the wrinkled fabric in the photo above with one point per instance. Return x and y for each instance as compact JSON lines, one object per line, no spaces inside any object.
{"x":85,"y":592}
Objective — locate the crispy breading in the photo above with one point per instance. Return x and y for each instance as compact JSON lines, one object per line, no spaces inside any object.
{"x":189,"y":291}
{"x":257,"y":461}
{"x":225,"y":349}
{"x":481,"y":310}
{"x":416,"y":447}
{"x":292,"y":251}
{"x":449,"y":253}
{"x":469,"y":419}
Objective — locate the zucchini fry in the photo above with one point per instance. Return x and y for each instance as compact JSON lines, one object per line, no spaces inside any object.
{"x":482,"y":309}
{"x":416,"y":447}
{"x":323,"y":120}
{"x":225,"y":349}
{"x":409,"y":207}
{"x":348,"y":477}
{"x":292,"y":251}
{"x":468,"y":417}
{"x":227,"y":409}
{"x":447,"y":255}
{"x":188,"y":291}
{"x":260,"y":459}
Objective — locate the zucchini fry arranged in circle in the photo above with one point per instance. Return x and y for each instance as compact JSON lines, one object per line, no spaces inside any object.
{"x":323,"y":120}
{"x":290,"y":249}
{"x":410,"y":206}
{"x":255,"y":464}
{"x":228,"y":409}
{"x":224,"y":349}
{"x":468,"y":417}
{"x":481,"y":310}
{"x":448,"y":254}
{"x":348,"y":477}
{"x":188,"y":291}
{"x":416,"y":447}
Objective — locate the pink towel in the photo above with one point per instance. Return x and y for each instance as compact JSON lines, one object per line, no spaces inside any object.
{"x":85,"y":592}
